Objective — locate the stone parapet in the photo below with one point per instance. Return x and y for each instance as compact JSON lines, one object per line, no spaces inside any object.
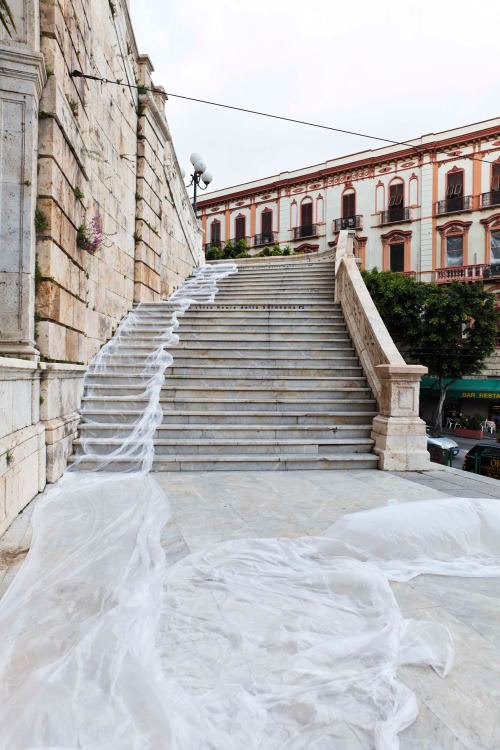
{"x":39,"y":419}
{"x":398,"y":432}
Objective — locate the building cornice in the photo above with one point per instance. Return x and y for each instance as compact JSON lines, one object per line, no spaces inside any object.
{"x":416,"y":152}
{"x":23,"y":64}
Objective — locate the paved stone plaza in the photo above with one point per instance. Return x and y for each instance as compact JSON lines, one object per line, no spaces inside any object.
{"x":458,"y":712}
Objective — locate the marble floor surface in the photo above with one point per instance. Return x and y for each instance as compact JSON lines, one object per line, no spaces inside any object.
{"x":457,"y":712}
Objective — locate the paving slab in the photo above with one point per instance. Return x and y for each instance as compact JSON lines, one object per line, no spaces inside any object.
{"x":459,"y":712}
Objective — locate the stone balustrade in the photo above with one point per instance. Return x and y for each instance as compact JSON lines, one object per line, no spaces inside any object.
{"x":399,"y":433}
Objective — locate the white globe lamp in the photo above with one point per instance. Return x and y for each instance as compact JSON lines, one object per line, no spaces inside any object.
{"x":199,"y":166}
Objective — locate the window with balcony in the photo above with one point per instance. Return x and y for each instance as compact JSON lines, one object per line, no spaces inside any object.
{"x":240,"y":228}
{"x":397,"y":257}
{"x":495,"y":185}
{"x":396,"y":200}
{"x":306,"y":214}
{"x":495,"y":247}
{"x":454,"y":191}
{"x":307,"y":228}
{"x":349,"y":204}
{"x":455,"y":251}
{"x":267,"y":226}
{"x":215,"y":232}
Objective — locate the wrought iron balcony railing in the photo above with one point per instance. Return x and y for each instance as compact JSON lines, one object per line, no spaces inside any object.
{"x":265,"y":238}
{"x":460,"y":273}
{"x":348,"y":222}
{"x":395,"y":214}
{"x":308,"y":230}
{"x":490,"y":199}
{"x":454,"y":204}
{"x":492,"y":271}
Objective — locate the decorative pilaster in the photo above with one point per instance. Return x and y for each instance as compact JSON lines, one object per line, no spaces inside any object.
{"x":22,"y":76}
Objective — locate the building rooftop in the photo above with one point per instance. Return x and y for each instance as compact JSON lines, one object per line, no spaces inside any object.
{"x":361,"y":157}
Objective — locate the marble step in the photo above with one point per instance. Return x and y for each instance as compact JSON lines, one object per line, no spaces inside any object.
{"x":127,"y":415}
{"x":246,"y":378}
{"x":230,"y":447}
{"x":293,"y":337}
{"x":283,"y":462}
{"x":240,"y":344}
{"x":246,"y":317}
{"x":272,"y":314}
{"x":150,"y":309}
{"x":269,"y":287}
{"x":259,"y":401}
{"x":240,"y":357}
{"x":291,"y":389}
{"x":251,"y":375}
{"x":193,"y":326}
{"x":123,"y":366}
{"x":231,"y":432}
{"x":285,"y":296}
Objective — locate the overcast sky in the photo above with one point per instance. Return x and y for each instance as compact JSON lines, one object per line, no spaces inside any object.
{"x":392,"y":69}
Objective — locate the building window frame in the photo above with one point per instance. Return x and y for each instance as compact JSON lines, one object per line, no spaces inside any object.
{"x":396,"y":237}
{"x":213,"y":225}
{"x":450,"y":229}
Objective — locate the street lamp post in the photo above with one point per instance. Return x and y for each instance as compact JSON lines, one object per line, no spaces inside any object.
{"x":200,"y":174}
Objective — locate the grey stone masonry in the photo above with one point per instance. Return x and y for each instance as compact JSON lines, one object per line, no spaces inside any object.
{"x":264,"y":378}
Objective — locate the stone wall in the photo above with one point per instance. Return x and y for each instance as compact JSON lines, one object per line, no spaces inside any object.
{"x":105,"y":154}
{"x":38,"y":423}
{"x":74,"y":151}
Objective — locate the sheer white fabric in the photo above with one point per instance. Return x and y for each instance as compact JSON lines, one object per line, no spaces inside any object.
{"x":454,"y":536}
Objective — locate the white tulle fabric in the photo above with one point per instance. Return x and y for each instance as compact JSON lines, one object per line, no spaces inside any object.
{"x":453,"y":536}
{"x":271,"y":644}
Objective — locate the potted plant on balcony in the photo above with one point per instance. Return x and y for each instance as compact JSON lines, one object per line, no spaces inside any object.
{"x":471,"y":426}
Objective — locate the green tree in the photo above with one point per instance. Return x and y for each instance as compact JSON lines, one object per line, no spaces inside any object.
{"x":451,"y":329}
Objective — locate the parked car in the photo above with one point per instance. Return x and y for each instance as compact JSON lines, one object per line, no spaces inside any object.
{"x":484,"y":456}
{"x":436,"y":440}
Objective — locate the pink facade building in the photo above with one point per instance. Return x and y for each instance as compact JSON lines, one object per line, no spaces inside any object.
{"x":430,"y":208}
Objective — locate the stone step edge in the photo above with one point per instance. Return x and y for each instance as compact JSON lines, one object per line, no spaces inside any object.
{"x":236,"y":441}
{"x":239,"y":458}
{"x":226,"y":427}
{"x":184,"y":413}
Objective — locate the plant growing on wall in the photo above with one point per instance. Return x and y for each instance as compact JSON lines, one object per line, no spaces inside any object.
{"x":6,"y":18}
{"x":41,"y":222}
{"x":450,"y":329}
{"x":90,"y":234}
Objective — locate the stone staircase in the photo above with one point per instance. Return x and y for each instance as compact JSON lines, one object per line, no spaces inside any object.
{"x":264,"y":378}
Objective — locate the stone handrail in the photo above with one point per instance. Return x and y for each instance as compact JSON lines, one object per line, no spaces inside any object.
{"x":399,"y":433}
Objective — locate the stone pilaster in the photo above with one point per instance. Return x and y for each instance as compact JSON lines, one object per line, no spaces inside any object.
{"x":22,"y":76}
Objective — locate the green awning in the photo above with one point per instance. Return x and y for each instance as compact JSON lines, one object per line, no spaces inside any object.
{"x":466,"y":388}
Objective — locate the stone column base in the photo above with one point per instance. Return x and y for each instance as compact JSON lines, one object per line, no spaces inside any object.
{"x":400,"y":443}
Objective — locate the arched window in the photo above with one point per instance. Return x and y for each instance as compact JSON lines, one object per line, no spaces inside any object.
{"x":215,"y":233}
{"x":454,"y":250}
{"x":455,"y":190}
{"x":306,"y":214}
{"x":240,"y":228}
{"x":349,"y":204}
{"x":266,"y":224}
{"x":396,"y":200}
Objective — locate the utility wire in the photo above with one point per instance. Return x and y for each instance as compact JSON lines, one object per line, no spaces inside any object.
{"x":146,"y":89}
